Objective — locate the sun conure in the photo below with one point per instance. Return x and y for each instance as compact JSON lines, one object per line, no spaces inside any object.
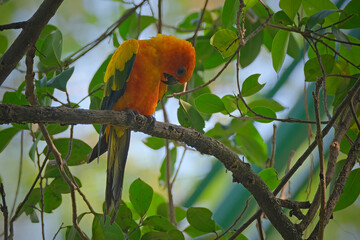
{"x":136,"y":79}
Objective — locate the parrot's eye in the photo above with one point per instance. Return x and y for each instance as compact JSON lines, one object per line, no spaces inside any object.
{"x":180,"y":71}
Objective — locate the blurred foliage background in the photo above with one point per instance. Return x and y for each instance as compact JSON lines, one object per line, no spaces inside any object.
{"x":202,"y":181}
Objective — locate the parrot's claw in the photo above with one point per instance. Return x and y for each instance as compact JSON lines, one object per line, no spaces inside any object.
{"x":151,"y":121}
{"x":133,"y":114}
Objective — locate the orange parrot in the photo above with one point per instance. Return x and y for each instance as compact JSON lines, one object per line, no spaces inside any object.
{"x":136,"y":79}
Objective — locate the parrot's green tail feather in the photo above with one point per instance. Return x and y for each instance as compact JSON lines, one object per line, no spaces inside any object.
{"x":118,"y":148}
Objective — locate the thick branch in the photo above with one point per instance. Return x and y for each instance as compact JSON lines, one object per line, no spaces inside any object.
{"x":242,"y":172}
{"x":27,"y":37}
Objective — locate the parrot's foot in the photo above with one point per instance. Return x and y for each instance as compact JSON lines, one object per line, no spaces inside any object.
{"x":133,"y":114}
{"x":151,"y":122}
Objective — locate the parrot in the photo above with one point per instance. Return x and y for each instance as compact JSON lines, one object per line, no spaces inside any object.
{"x":136,"y":79}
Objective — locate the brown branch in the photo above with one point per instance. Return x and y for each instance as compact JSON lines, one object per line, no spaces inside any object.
{"x":307,"y":152}
{"x":334,"y":151}
{"x":319,"y":141}
{"x":27,"y":37}
{"x":29,"y":93}
{"x":242,"y":172}
{"x":339,"y":184}
{"x":4,"y":210}
{"x":15,"y":25}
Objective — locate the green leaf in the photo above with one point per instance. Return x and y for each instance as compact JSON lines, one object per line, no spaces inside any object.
{"x":270,"y":177}
{"x":154,"y":142}
{"x":33,"y":147}
{"x":188,"y":116}
{"x":251,"y":143}
{"x":14,"y":98}
{"x":51,"y":49}
{"x":264,"y":111}
{"x":155,"y":235}
{"x":229,"y":12}
{"x":79,"y":153}
{"x":140,"y":196}
{"x":209,"y":103}
{"x":3,"y":44}
{"x":51,"y":171}
{"x":312,"y":68}
{"x":352,"y":8}
{"x":163,"y":210}
{"x":294,"y":48}
{"x":61,"y":80}
{"x":6,"y":135}
{"x":290,"y":7}
{"x":268,"y":103}
{"x":319,"y":17}
{"x":162,"y":178}
{"x":34,"y":217}
{"x":124,"y":217}
{"x":251,"y":85}
{"x":52,"y":199}
{"x":312,"y":7}
{"x":56,"y":128}
{"x":229,"y":102}
{"x":102,"y":230}
{"x":158,"y":223}
{"x":339,"y":35}
{"x":115,"y":40}
{"x":279,"y":48}
{"x":351,"y":190}
{"x":281,"y":18}
{"x":249,"y":4}
{"x":251,"y":50}
{"x":351,"y":55}
{"x":207,"y":56}
{"x":30,"y":203}
{"x":200,"y":218}
{"x":60,"y":186}
{"x":225,"y":41}
{"x":134,"y":25}
{"x":189,"y":22}
{"x":230,"y":105}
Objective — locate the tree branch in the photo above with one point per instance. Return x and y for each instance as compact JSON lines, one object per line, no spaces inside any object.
{"x":242,"y":172}
{"x":28,"y":36}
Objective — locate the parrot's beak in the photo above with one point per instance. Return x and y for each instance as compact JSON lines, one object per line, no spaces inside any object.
{"x":170,"y":79}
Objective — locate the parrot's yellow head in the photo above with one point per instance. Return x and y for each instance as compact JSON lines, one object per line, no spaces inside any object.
{"x":177,"y":57}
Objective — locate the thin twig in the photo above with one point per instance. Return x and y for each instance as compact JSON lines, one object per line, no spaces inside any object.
{"x":236,"y":220}
{"x":21,"y":205}
{"x":57,"y":232}
{"x":194,"y":37}
{"x":339,"y":185}
{"x":4,"y":210}
{"x":168,"y":172}
{"x":260,"y":228}
{"x":15,"y":25}
{"x":159,"y":26}
{"x":82,"y":51}
{"x":20,"y":171}
{"x":180,"y":163}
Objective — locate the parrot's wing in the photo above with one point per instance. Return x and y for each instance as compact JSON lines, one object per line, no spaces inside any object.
{"x":118,"y":72}
{"x":116,"y":77}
